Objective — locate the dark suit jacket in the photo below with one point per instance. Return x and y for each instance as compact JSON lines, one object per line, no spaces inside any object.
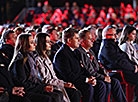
{"x":6,"y":80}
{"x":112,"y":57}
{"x":92,"y":67}
{"x":6,"y":52}
{"x":96,"y":47}
{"x":67,"y":66}
{"x":54,"y":49}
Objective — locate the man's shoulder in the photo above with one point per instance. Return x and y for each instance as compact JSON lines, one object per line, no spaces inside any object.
{"x":60,"y":52}
{"x":7,"y":46}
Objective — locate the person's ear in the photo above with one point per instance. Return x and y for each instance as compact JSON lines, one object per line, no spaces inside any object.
{"x":6,"y":40}
{"x":68,"y":40}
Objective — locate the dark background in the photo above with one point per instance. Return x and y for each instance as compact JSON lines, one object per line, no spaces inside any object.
{"x":96,"y":3}
{"x":10,"y":8}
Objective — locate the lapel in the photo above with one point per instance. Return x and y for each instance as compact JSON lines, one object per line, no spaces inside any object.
{"x":94,"y":60}
{"x":84,"y":55}
{"x":85,"y":59}
{"x":93,"y":63}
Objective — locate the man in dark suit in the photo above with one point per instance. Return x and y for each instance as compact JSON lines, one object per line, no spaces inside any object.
{"x":69,"y":69}
{"x":112,"y":57}
{"x":56,"y":43}
{"x":8,"y":89}
{"x":90,"y":63}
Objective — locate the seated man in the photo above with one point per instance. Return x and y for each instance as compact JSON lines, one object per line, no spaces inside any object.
{"x":112,"y":57}
{"x":8,"y":91}
{"x":90,"y":63}
{"x":68,"y":68}
{"x":56,"y":43}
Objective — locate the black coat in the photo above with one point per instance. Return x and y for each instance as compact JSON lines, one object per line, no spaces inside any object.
{"x":6,"y":80}
{"x":6,"y":52}
{"x":22,"y":75}
{"x":67,"y":66}
{"x":54,"y":49}
{"x":112,"y":57}
{"x":93,"y":66}
{"x":96,"y":47}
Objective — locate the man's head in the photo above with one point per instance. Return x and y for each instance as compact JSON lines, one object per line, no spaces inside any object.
{"x":71,"y":37}
{"x":86,"y":39}
{"x":9,"y":37}
{"x":32,"y":32}
{"x":18,"y":30}
{"x":109,"y":32}
{"x":54,"y":36}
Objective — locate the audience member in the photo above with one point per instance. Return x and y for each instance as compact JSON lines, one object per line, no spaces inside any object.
{"x":25,"y":72}
{"x":68,"y":67}
{"x":127,"y":38}
{"x":46,"y":70}
{"x":90,"y":63}
{"x":112,"y":57}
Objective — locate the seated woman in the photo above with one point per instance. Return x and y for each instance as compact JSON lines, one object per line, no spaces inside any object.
{"x":126,"y":43}
{"x":46,"y":70}
{"x":25,"y":73}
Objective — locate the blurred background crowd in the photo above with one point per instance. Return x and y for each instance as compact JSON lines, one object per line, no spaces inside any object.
{"x":103,"y":22}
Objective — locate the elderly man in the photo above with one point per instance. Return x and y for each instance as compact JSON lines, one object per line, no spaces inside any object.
{"x":90,"y":63}
{"x":112,"y":57}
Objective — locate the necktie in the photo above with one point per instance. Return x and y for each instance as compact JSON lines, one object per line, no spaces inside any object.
{"x":90,"y":55}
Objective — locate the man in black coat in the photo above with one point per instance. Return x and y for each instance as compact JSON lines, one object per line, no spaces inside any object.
{"x":90,"y":63}
{"x":15,"y":94}
{"x":112,"y":57}
{"x":69,"y":69}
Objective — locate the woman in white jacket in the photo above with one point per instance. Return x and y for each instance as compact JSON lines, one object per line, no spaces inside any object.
{"x":126,"y":40}
{"x":45,"y":67}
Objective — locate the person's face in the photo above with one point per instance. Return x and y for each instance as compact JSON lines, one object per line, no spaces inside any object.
{"x":12,"y":39}
{"x":132,"y":35}
{"x":55,"y":35}
{"x":74,"y":42}
{"x":33,"y":33}
{"x":31,"y":43}
{"x":88,"y":40}
{"x":18,"y":32}
{"x":111,"y":34}
{"x":48,"y":43}
{"x":94,"y":36}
